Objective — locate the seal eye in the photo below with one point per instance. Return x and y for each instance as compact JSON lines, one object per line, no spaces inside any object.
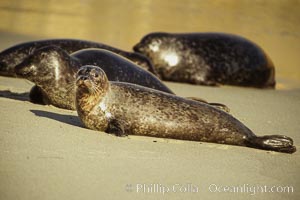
{"x":43,"y":55}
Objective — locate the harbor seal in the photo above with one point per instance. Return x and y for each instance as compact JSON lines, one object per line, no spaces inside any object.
{"x":13,"y":56}
{"x":127,"y":109}
{"x":53,"y":70}
{"x":208,"y":59}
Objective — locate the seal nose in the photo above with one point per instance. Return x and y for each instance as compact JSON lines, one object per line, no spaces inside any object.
{"x":3,"y":68}
{"x":83,"y":80}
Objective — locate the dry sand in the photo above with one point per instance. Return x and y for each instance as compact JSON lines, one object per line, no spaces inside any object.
{"x":45,"y":153}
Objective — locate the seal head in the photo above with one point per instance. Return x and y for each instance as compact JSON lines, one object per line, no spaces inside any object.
{"x":49,"y":68}
{"x":88,"y":80}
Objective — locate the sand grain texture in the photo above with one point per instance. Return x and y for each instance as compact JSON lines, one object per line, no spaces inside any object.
{"x":45,"y":153}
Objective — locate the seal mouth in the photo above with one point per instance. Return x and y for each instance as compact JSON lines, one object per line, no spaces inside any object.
{"x":3,"y":68}
{"x":84,"y":81}
{"x":23,"y":69}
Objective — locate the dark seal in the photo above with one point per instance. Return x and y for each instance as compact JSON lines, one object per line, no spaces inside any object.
{"x":13,"y":56}
{"x":124,"y":108}
{"x":208,"y":59}
{"x":53,"y":70}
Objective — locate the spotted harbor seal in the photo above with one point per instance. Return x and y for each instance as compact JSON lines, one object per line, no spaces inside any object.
{"x":12,"y":56}
{"x":208,"y":59}
{"x":53,"y":70}
{"x":124,"y":108}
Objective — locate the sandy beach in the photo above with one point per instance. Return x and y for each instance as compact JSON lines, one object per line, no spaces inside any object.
{"x":46,"y":153}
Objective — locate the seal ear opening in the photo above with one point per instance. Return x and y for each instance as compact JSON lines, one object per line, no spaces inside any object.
{"x":278,"y":143}
{"x":6,"y":70}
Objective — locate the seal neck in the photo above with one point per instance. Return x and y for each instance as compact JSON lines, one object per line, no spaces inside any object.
{"x":86,"y":101}
{"x":74,"y":63}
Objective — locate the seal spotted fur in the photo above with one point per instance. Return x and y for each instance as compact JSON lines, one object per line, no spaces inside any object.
{"x":124,"y":108}
{"x":14,"y":55}
{"x":208,"y":59}
{"x":53,"y":71}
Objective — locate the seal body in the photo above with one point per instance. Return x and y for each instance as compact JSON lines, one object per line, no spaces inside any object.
{"x":53,"y":70}
{"x":124,"y":108}
{"x":208,"y":59}
{"x":13,"y":56}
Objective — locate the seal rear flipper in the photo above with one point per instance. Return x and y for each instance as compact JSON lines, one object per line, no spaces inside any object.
{"x":115,"y":127}
{"x":219,"y":106}
{"x":278,"y":143}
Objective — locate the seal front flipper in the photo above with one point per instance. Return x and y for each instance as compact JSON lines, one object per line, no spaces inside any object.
{"x":278,"y":143}
{"x":116,"y":127}
{"x":216,"y":105}
{"x":37,"y":96}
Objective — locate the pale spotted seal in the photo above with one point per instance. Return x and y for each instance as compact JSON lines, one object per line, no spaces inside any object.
{"x":53,"y":70}
{"x":124,"y":108}
{"x":208,"y":59}
{"x":12,"y":56}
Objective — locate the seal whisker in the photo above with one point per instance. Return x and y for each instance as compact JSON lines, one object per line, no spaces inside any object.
{"x":71,"y":86}
{"x":96,"y":89}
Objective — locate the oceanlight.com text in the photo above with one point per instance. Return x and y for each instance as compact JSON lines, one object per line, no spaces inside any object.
{"x":250,"y":189}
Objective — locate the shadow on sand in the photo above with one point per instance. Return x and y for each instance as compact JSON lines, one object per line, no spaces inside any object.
{"x":13,"y":95}
{"x":68,"y":119}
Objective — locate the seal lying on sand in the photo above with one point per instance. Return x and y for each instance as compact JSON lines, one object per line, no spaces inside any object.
{"x":208,"y":59}
{"x":124,"y":108}
{"x":53,"y":71}
{"x":12,"y":56}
